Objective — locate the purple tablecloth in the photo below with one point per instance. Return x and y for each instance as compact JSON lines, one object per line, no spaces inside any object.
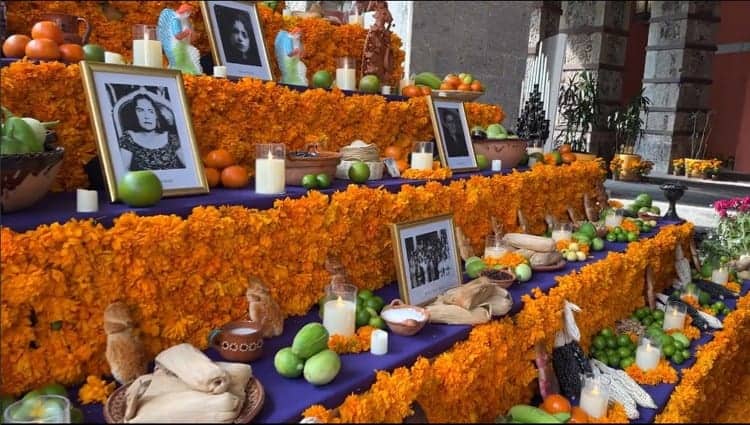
{"x":61,"y":206}
{"x":286,"y":399}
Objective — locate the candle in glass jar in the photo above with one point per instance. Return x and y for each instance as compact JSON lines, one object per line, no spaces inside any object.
{"x":647,"y":355}
{"x":146,"y":49}
{"x":421,"y":160}
{"x":357,"y":19}
{"x":270,"y":175}
{"x":494,"y":252}
{"x":720,"y":276}
{"x":339,"y":317}
{"x":346,"y":73}
{"x":613,"y":220}
{"x":379,"y":342}
{"x":674,"y":317}
{"x":595,"y":396}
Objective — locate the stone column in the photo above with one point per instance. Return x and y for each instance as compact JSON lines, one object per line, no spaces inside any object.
{"x":544,"y":22}
{"x":597,"y":35}
{"x":677,"y":76}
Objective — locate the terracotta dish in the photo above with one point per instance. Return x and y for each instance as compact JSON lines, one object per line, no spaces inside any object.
{"x":407,"y":327}
{"x":238,"y":341}
{"x":509,"y":151}
{"x":298,"y":167}
{"x":27,"y":177}
{"x":503,"y":278}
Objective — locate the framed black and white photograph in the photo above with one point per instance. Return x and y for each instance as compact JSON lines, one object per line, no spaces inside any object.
{"x":141,"y":121}
{"x":427,"y":258}
{"x":236,"y":38}
{"x":451,"y":128}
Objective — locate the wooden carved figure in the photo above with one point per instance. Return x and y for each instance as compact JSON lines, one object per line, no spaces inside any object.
{"x":376,"y":56}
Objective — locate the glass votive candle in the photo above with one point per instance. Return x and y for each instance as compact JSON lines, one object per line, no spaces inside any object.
{"x":346,"y":73}
{"x":146,"y":47}
{"x":720,"y":275}
{"x":270,"y":172}
{"x":46,"y":409}
{"x":674,"y":316}
{"x":562,"y":231}
{"x":421,"y":157}
{"x":690,"y":292}
{"x":339,"y":309}
{"x":648,"y":353}
{"x":493,"y":247}
{"x":594,"y":398}
{"x":613,"y":219}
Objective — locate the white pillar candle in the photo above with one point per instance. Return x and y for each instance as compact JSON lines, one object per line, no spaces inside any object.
{"x":673,"y":319}
{"x":87,"y":201}
{"x":421,"y":160}
{"x":346,"y":78}
{"x":339,"y":317}
{"x":220,"y":71}
{"x":147,"y":53}
{"x":270,"y":175}
{"x":494,"y":251}
{"x":559,"y":235}
{"x":112,"y":57}
{"x":385,"y":90}
{"x":720,"y":276}
{"x":497,"y":165}
{"x":594,"y":400}
{"x":379,"y":342}
{"x":647,"y":356}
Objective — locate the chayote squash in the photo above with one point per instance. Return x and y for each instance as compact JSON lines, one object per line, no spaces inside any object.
{"x":310,"y":340}
{"x":321,"y":368}
{"x":287,"y":363}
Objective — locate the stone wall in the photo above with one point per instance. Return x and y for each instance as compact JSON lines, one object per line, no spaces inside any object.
{"x":487,"y":39}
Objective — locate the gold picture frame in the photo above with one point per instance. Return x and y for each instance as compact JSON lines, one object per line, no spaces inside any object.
{"x":427,"y":258}
{"x":459,"y":156}
{"x":112,"y":94}
{"x":236,"y":69}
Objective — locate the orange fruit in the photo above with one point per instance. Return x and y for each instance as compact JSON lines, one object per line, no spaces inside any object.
{"x":219,"y":158}
{"x":446,"y":86}
{"x":555,"y":403}
{"x":564,"y":148}
{"x":464,"y":87}
{"x":568,"y":157}
{"x":476,"y":85}
{"x":394,"y":152}
{"x":47,"y":29}
{"x":15,"y":46}
{"x":42,"y":48}
{"x":235,"y":177}
{"x":425,"y":90}
{"x":71,"y":52}
{"x":453,"y":80}
{"x":578,"y":416}
{"x":402,"y":165}
{"x":213,"y":176}
{"x":411,"y":91}
{"x":435,"y":165}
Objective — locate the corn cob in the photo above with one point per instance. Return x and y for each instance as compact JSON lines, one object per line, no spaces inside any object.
{"x":715,"y":290}
{"x":641,"y":397}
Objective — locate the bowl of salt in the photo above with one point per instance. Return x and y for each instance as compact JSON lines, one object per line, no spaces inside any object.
{"x":404,"y":319}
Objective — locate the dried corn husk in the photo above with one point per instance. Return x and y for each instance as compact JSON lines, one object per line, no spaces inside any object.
{"x":464,"y":245}
{"x":532,"y":242}
{"x":473,"y":303}
{"x":469,"y":295}
{"x":455,"y":315}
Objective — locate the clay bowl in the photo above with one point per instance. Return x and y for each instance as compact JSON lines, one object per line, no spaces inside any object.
{"x":238,"y":341}
{"x":509,"y":151}
{"x":407,"y":327}
{"x":27,"y":177}
{"x":503,"y":278}
{"x":298,"y":167}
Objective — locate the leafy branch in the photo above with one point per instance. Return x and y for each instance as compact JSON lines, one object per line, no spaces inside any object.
{"x":627,"y":123}
{"x":578,"y":103}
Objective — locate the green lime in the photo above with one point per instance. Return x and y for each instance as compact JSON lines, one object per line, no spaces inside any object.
{"x":54,"y":389}
{"x":647,"y":320}
{"x":322,"y":79}
{"x":623,"y":340}
{"x":607,"y":332}
{"x":363,"y":317}
{"x":646,"y":228}
{"x":600,"y":342}
{"x":309,"y":181}
{"x":614,"y":360}
{"x":718,"y":306}
{"x":611,"y":237}
{"x":668,"y":350}
{"x":324,"y":180}
{"x":704,"y":298}
{"x":377,"y":322}
{"x":641,"y":312}
{"x":602,"y":357}
{"x":624,"y":352}
{"x":612,"y":342}
{"x":632,"y":236}
{"x":622,"y":237}
{"x":667,"y":340}
{"x":597,"y":244}
{"x":376,"y":303}
{"x":658,"y":314}
{"x":678,"y":344}
{"x":365,"y":294}
{"x":618,"y":230}
{"x":610,"y":352}
{"x":678,"y":358}
{"x":626,"y":362}
{"x":685,"y":353}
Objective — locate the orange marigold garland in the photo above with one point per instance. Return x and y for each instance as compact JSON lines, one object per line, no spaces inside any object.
{"x":690,"y":331}
{"x":663,"y":373}
{"x":356,"y":343}
{"x":435,"y":174}
{"x":95,"y":390}
{"x":509,"y":259}
{"x":615,"y":415}
{"x":733,"y":286}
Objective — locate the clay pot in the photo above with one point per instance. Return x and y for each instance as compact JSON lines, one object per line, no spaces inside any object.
{"x":410,"y":326}
{"x":69,"y":24}
{"x":26,"y":178}
{"x":298,"y":167}
{"x":238,"y":341}
{"x":509,"y":151}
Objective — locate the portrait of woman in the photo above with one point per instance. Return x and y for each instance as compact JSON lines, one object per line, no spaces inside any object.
{"x":149,"y":139}
{"x":237,"y":36}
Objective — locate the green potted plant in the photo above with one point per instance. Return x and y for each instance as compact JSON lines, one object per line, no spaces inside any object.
{"x":628,"y":127}
{"x":578,"y":104}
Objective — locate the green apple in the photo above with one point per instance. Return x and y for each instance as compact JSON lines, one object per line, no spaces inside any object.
{"x":523,"y":272}
{"x":93,"y":53}
{"x":482,"y":162}
{"x":322,"y":79}
{"x":359,"y":172}
{"x":369,"y":84}
{"x":467,"y":78}
{"x":140,"y":188}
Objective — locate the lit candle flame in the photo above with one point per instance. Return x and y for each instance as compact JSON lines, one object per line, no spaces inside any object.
{"x":339,"y":301}
{"x":270,"y":155}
